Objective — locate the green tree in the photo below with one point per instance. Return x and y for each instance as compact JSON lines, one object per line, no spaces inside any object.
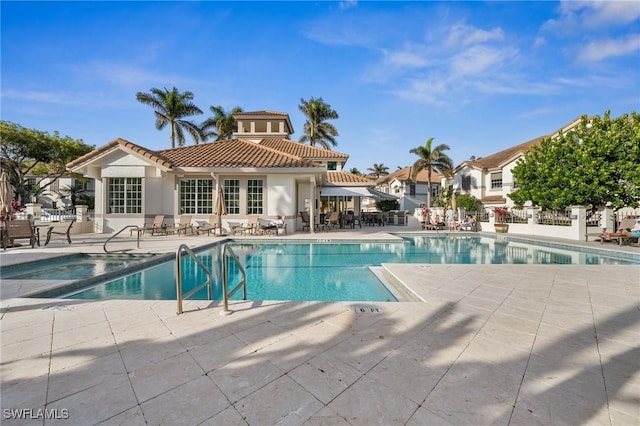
{"x":222,"y":125}
{"x":595,"y":163}
{"x":171,"y":108}
{"x":467,"y":202}
{"x":378,"y":170}
{"x":355,"y":171}
{"x":432,"y":159}
{"x":35,"y":153}
{"x":316,"y":129}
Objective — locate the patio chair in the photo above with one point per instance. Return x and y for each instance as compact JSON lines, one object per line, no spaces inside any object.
{"x":19,"y":230}
{"x":156,"y":226}
{"x":209,"y":226}
{"x":182,"y":226}
{"x":53,"y":231}
{"x":331,"y":221}
{"x":306,"y":220}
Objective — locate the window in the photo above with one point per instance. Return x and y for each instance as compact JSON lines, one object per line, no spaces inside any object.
{"x":124,"y":195}
{"x":332,"y":165}
{"x":466,"y":182}
{"x":412,"y":189}
{"x":496,"y":180}
{"x":196,"y":196}
{"x":435,"y":189}
{"x":255,"y":190}
{"x":232,"y":195}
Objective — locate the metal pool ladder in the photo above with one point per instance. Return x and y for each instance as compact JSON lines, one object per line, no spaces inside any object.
{"x":228,"y":252}
{"x":137,"y":228}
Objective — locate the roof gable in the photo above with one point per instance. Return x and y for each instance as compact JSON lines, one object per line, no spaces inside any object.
{"x":124,"y":145}
{"x":339,"y":177}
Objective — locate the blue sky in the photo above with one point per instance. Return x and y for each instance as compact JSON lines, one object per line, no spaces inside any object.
{"x":477,"y":76}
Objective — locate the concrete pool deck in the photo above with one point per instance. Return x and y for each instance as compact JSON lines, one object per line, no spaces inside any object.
{"x":490,"y":344}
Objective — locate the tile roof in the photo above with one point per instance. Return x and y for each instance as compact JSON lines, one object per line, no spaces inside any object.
{"x":143,"y":152}
{"x":302,"y":150}
{"x":340,"y":177}
{"x":234,"y":153}
{"x":499,"y":158}
{"x":404,"y":175}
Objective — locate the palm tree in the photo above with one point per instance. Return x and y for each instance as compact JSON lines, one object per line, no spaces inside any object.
{"x":431,"y":159}
{"x":378,"y":170}
{"x":170,"y":108}
{"x":316,"y":129}
{"x":221,"y":125}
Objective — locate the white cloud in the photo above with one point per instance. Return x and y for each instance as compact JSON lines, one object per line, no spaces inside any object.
{"x":410,"y":57}
{"x":348,"y":4}
{"x":602,"y":49}
{"x":465,"y":35}
{"x":600,"y":13}
{"x":477,"y":60}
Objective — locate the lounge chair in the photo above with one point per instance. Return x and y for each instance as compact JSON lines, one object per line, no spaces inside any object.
{"x":619,"y":236}
{"x":19,"y":230}
{"x":209,"y":226}
{"x":270,"y":227}
{"x":182,"y":226}
{"x":156,"y":226}
{"x":67,"y":232}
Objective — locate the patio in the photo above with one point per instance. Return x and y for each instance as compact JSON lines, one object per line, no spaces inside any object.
{"x":491,"y":344}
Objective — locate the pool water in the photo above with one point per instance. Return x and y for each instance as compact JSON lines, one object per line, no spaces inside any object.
{"x":71,"y":267}
{"x":310,"y":271}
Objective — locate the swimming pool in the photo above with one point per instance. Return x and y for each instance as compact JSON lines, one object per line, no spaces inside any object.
{"x":315,"y":271}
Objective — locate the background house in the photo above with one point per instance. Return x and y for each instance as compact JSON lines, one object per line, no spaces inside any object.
{"x":410,"y":192}
{"x":490,"y":179}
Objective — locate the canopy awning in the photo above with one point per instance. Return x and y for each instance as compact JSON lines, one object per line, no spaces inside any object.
{"x":354,"y":191}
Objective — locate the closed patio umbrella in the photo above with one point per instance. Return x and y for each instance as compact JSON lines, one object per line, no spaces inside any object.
{"x":6,"y":195}
{"x":454,"y":203}
{"x":220,"y":208}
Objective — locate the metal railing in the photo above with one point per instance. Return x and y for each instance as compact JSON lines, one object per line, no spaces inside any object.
{"x":226,"y":294}
{"x":183,"y":248}
{"x":57,"y":215}
{"x":104,"y":246}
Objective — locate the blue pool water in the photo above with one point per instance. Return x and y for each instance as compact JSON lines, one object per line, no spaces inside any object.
{"x":336,"y":271}
{"x":71,"y":267}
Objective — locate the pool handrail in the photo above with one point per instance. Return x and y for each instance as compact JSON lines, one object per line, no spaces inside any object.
{"x":226,"y":294}
{"x":104,"y":246}
{"x":209,"y":282}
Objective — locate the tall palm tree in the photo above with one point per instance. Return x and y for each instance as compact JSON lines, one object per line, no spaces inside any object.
{"x":221,"y":125}
{"x":170,"y":108}
{"x":431,"y":159}
{"x":378,"y":170}
{"x":316,"y":129}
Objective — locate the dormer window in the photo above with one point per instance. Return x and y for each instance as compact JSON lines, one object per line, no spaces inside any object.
{"x":332,"y":165}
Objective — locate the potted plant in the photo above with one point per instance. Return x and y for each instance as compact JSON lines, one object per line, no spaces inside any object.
{"x":499,"y":225}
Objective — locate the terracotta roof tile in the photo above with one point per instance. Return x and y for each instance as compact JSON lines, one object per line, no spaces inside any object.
{"x":146,"y":153}
{"x":496,"y":160}
{"x":302,"y":150}
{"x":233,"y":153}
{"x":346,"y":177}
{"x":404,"y":175}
